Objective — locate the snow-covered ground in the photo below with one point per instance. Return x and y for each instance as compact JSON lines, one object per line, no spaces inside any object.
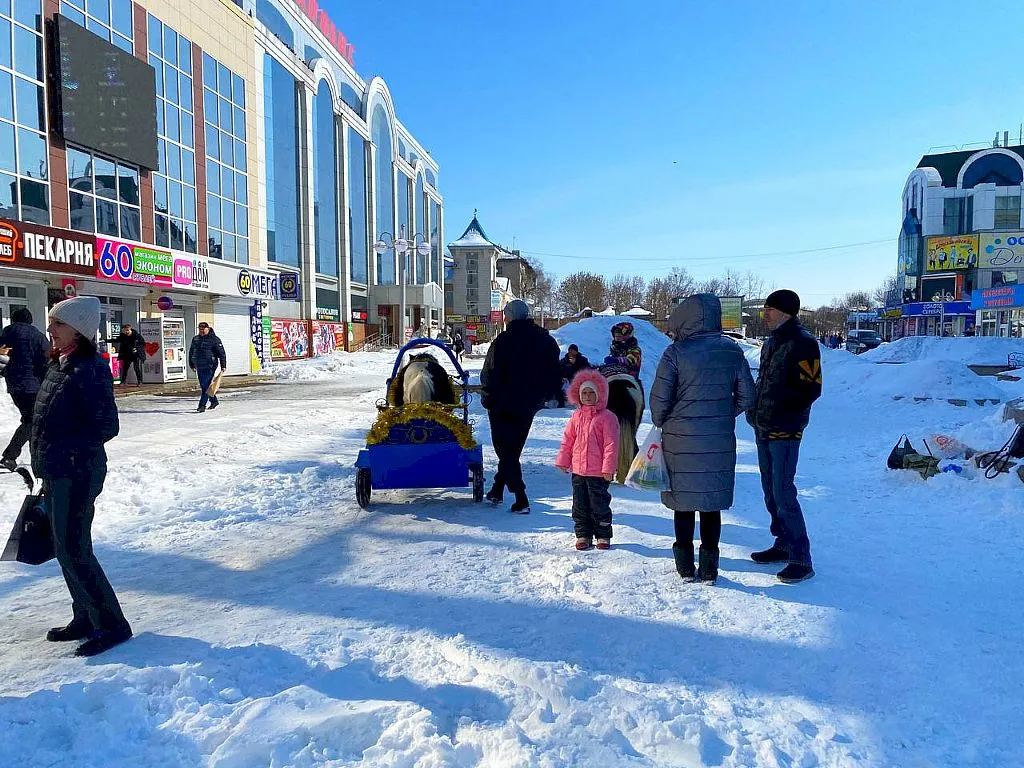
{"x":978,"y":350}
{"x":278,"y":624}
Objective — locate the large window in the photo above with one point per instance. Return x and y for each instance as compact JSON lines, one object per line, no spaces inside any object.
{"x":422,"y":227}
{"x":227,"y":182}
{"x":357,"y":208}
{"x":384,"y":187}
{"x":174,"y":183}
{"x":110,"y":19}
{"x":957,"y":215}
{"x":435,"y":243}
{"x":325,"y":182}
{"x":405,"y":225}
{"x":24,"y":159}
{"x":282,"y":169}
{"x":103,"y":195}
{"x":1008,"y":212}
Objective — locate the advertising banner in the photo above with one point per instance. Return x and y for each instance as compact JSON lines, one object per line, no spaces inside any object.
{"x":288,"y":286}
{"x":289,"y":339}
{"x":133,"y":263}
{"x":1003,"y":297}
{"x":732,"y":313}
{"x":951,"y":252}
{"x":1002,"y":250}
{"x":30,"y":246}
{"x":191,"y":272}
{"x":327,"y":306}
{"x":328,"y":338}
{"x":165,"y":349}
{"x":936,"y":308}
{"x":497,"y":316}
{"x":229,"y":279}
{"x":259,"y":342}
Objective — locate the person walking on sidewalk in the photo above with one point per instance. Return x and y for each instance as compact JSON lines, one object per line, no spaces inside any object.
{"x":520,"y":374}
{"x":788,"y":383}
{"x":28,"y":352}
{"x":703,"y":383}
{"x":131,"y":352}
{"x":205,"y":352}
{"x":590,"y":451}
{"x":74,"y":416}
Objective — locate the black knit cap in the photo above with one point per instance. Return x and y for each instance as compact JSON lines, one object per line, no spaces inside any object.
{"x":784,"y":301}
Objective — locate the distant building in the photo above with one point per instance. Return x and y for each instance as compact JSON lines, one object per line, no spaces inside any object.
{"x":961,"y":248}
{"x":477,"y":288}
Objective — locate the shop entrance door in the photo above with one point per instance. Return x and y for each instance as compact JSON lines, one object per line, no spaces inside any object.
{"x":12,"y":297}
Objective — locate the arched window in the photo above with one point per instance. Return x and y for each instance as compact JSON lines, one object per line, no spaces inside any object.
{"x":325,"y":182}
{"x":383,"y":183}
{"x":997,"y":168}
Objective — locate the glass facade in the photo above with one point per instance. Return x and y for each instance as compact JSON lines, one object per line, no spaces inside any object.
{"x":384,"y":187}
{"x":227,"y":180}
{"x":435,"y":242}
{"x":174,"y":183}
{"x":24,"y":159}
{"x":110,"y":19}
{"x":281,"y":131}
{"x":325,"y":182}
{"x":405,"y":226}
{"x":421,"y":228}
{"x":358,"y":231}
{"x":103,"y":195}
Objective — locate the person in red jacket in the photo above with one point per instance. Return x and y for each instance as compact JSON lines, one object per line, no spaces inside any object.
{"x":589,"y":450}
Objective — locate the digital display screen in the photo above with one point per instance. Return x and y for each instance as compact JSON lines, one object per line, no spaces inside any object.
{"x":107,"y":98}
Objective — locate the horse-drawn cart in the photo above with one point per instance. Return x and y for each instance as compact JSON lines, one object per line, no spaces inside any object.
{"x":422,"y":444}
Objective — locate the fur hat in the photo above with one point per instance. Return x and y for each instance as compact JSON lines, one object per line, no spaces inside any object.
{"x":82,"y":313}
{"x":784,"y":301}
{"x":589,"y":377}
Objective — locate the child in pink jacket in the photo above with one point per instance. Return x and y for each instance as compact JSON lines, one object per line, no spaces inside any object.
{"x":590,"y":449}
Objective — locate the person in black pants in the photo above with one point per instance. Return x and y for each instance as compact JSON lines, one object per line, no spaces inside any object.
{"x":75,"y":415}
{"x":520,"y":374}
{"x":204,"y":354}
{"x":131,"y":352}
{"x":28,"y":351}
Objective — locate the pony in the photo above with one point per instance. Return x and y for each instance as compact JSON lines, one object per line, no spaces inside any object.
{"x":423,"y":380}
{"x":626,"y":401}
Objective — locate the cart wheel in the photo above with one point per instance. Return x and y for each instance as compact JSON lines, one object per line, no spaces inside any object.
{"x":478,"y":485}
{"x":363,"y":488}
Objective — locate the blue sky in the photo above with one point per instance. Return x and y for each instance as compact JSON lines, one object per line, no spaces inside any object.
{"x":635,"y":137}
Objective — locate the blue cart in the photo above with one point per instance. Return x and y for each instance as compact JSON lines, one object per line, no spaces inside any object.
{"x":411,"y":451}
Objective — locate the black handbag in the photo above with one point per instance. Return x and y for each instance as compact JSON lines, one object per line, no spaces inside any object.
{"x":900,"y":450}
{"x":31,"y":540}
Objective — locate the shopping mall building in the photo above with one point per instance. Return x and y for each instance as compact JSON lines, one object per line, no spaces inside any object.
{"x":189,"y":160}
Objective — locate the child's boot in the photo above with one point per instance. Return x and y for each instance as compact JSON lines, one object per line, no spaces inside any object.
{"x":583,"y":543}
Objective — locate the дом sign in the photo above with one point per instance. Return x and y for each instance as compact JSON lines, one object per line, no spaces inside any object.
{"x":327,"y":28}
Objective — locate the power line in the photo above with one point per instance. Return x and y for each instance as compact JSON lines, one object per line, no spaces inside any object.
{"x":691,"y":259}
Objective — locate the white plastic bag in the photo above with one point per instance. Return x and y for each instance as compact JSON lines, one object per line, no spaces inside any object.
{"x":648,"y":472}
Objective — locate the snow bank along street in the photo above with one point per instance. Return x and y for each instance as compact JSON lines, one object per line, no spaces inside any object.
{"x":278,"y":624}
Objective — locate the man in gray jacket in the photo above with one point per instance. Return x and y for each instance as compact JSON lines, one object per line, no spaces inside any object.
{"x":703,"y":384}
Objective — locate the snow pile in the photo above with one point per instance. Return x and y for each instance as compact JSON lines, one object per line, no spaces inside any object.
{"x":978,"y":350}
{"x":339,"y":365}
{"x":594,"y":336}
{"x":855,"y":377}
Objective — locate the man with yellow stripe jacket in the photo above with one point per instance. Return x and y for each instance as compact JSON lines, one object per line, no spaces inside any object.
{"x":788,"y":382}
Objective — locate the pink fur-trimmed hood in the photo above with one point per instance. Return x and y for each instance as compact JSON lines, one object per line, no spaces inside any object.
{"x":594,"y":377}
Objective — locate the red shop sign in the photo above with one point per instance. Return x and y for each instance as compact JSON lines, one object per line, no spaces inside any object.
{"x":31,"y":246}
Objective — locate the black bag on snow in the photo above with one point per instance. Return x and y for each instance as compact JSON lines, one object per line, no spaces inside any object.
{"x":31,"y":540}
{"x":899,"y":451}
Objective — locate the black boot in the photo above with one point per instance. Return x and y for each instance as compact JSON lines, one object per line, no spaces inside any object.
{"x":103,"y":641}
{"x":708,"y":568}
{"x":771,"y":555}
{"x":684,"y":562}
{"x":495,"y":494}
{"x":521,"y":505}
{"x":76,"y":630}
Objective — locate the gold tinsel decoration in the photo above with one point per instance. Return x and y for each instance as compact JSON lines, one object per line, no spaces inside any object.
{"x":436,"y":412}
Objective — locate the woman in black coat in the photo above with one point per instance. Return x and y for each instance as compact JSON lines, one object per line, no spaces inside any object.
{"x":74,"y":416}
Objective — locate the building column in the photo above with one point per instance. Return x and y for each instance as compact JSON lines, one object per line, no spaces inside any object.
{"x":344,"y":246}
{"x":307,"y":234}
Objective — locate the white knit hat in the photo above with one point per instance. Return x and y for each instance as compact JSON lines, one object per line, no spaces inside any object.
{"x":82,"y":313}
{"x":588,"y":385}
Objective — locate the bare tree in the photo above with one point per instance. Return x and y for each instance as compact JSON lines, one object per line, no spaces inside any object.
{"x":540,"y":291}
{"x":662,"y":292}
{"x":580,"y":290}
{"x":624,"y":291}
{"x":890,"y":292}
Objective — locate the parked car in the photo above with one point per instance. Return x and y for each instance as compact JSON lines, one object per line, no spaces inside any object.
{"x":862,"y":340}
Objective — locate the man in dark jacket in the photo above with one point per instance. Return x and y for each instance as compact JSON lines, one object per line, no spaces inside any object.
{"x":205,"y":352}
{"x":703,"y":383}
{"x":131,"y":352}
{"x":28,"y":351}
{"x":570,"y":365}
{"x":519,"y":376}
{"x":788,"y":382}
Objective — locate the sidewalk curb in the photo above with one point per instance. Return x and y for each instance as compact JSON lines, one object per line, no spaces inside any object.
{"x":179,"y":388}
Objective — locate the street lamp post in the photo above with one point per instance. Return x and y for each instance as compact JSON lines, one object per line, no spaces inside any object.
{"x":401,"y":246}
